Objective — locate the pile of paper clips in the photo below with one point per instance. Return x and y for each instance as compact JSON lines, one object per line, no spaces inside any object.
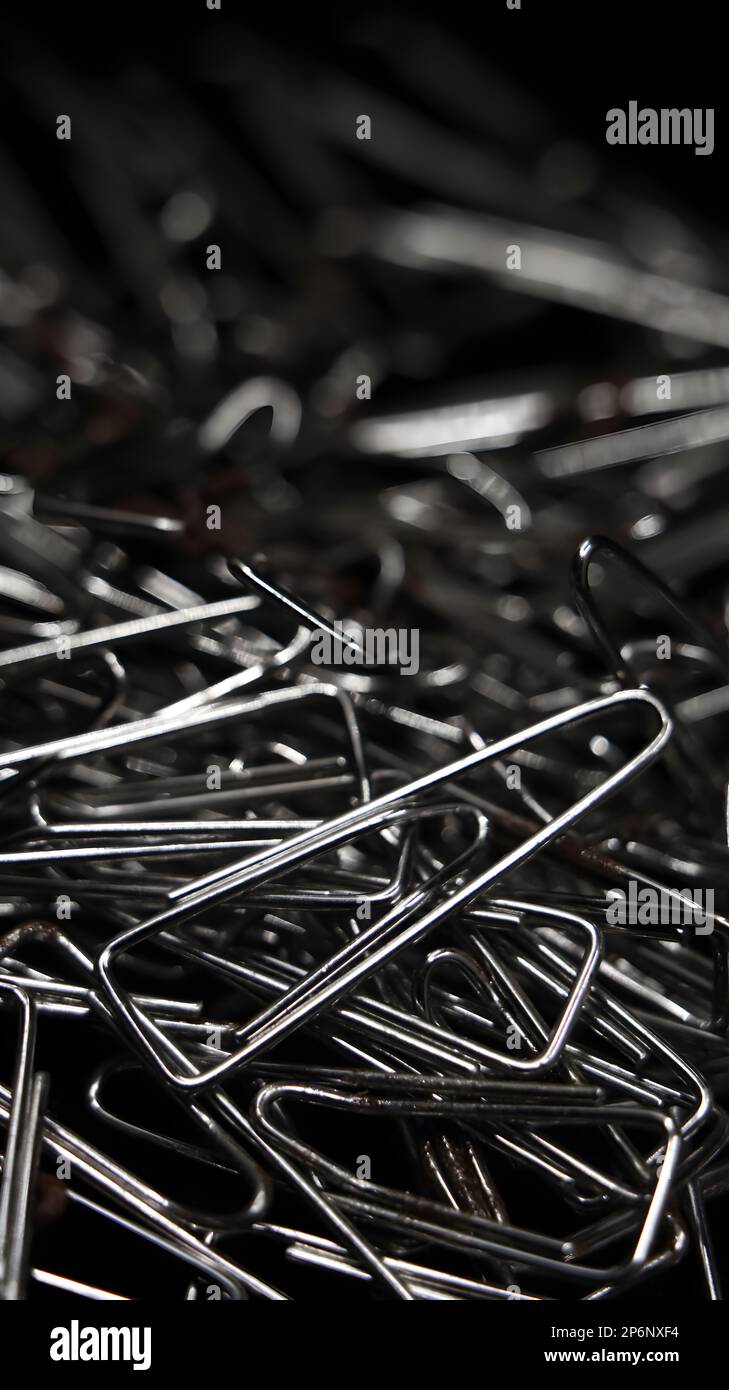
{"x":341,"y":943}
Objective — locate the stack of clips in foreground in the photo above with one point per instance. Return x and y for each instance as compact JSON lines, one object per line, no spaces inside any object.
{"x":364,"y":681}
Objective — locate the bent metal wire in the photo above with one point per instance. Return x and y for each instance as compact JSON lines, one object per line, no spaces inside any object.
{"x":438,"y":887}
{"x":311,"y":982}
